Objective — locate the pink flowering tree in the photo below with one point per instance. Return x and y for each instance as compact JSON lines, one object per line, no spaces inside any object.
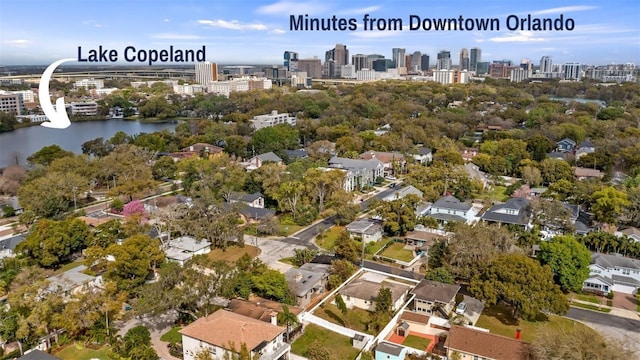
{"x":134,"y":208}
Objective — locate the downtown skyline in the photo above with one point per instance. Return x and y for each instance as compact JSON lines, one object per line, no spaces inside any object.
{"x":259,"y":32}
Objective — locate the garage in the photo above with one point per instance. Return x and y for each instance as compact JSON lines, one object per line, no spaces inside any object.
{"x":626,"y":289}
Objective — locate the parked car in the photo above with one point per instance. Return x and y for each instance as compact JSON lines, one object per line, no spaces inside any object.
{"x":461,"y":308}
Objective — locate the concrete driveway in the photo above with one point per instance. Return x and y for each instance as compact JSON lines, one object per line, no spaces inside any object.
{"x":272,"y":250}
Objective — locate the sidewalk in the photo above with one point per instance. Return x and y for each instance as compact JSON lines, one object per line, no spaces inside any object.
{"x":613,"y":311}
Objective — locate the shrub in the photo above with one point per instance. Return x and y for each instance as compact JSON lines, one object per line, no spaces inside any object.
{"x":610,"y":295}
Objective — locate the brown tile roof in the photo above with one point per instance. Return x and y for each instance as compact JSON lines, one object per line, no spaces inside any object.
{"x":429,"y":290}
{"x":259,"y":311}
{"x":224,"y":327}
{"x":385,"y":157}
{"x":485,"y":344}
{"x":94,"y":221}
{"x":203,"y":147}
{"x":586,"y":172}
{"x":415,"y":317}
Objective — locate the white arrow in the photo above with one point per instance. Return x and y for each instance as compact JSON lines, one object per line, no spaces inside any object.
{"x":58,"y":118}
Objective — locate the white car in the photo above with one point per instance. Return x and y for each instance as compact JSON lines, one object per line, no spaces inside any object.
{"x":461,"y":308}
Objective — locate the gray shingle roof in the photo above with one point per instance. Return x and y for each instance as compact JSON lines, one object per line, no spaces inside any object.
{"x":609,"y":261}
{"x":514,"y":211}
{"x":345,"y":163}
{"x":12,"y":242}
{"x":364,"y":226}
{"x":451,"y":202}
{"x":429,"y":290}
{"x":270,"y":156}
{"x":389,"y":348}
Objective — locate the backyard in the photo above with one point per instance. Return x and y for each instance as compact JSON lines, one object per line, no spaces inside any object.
{"x":416,"y":342}
{"x":499,"y":321}
{"x":338,"y":345}
{"x":357,"y":318}
{"x":398,"y":252}
{"x":77,"y":351}
{"x":233,"y":253}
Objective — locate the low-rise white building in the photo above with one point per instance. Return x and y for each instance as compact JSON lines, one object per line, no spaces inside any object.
{"x":184,"y":248}
{"x":272,"y":119}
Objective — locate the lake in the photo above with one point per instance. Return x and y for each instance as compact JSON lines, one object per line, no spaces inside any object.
{"x":18,"y":144}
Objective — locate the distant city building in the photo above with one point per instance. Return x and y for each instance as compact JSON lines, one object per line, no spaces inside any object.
{"x":84,"y":108}
{"x":444,"y":60}
{"x":500,"y":69}
{"x":359,"y":61}
{"x":475,"y":56}
{"x":340,"y":55}
{"x":291,"y":60}
{"x":482,"y":67}
{"x":329,"y":69}
{"x":206,"y":72}
{"x":382,"y":65}
{"x":546,"y":65}
{"x":366,"y":75}
{"x":348,"y":71}
{"x":313,"y":67}
{"x":518,"y":75}
{"x":444,"y":76}
{"x":89,"y":84}
{"x":416,"y":61}
{"x":11,"y":103}
{"x":611,"y":73}
{"x":273,"y":119}
{"x":424,"y":62}
{"x":572,"y":71}
{"x":371,"y":58}
{"x":464,"y":59}
{"x":242,"y":84}
{"x":276,"y":72}
{"x":398,"y":57}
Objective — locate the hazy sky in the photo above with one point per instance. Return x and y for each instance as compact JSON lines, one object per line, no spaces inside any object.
{"x":258,"y":32}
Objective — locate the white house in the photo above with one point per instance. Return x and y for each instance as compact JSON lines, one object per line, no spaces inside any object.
{"x":273,"y":119}
{"x":367,"y":229}
{"x":8,"y":245}
{"x":257,"y":161}
{"x":423,"y":155}
{"x":184,"y":248}
{"x":223,"y":333}
{"x":359,"y":173}
{"x":449,"y":208}
{"x":361,"y":294}
{"x":73,"y":281}
{"x":632,"y":233}
{"x":613,"y":273}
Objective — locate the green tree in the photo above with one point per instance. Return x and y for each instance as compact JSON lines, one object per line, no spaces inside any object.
{"x":398,"y":216}
{"x":323,"y":183}
{"x":272,"y":284}
{"x":576,"y":343}
{"x":317,"y":351}
{"x":440,"y":275}
{"x":47,"y":154}
{"x":525,"y":285}
{"x":342,"y":306}
{"x":51,"y":243}
{"x":275,"y":138}
{"x":303,"y":256}
{"x":287,"y":318}
{"x":52,"y":195}
{"x":569,"y":260}
{"x":339,"y":272}
{"x":346,"y":248}
{"x":163,"y":168}
{"x":608,"y":204}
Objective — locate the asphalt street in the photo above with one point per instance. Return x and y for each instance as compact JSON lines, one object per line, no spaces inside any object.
{"x":620,"y":328}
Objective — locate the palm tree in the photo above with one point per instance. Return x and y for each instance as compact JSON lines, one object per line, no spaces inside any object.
{"x":288,"y":318}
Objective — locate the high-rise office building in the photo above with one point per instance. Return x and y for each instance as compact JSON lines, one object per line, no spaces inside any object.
{"x":572,"y":71}
{"x":360,"y":61}
{"x":444,"y":60}
{"x":206,"y":72}
{"x":371,"y":58}
{"x":291,"y":60}
{"x":398,"y":57}
{"x":424,"y":62}
{"x":313,"y":67}
{"x":416,"y":61}
{"x":475,"y":56}
{"x":464,"y":59}
{"x":340,"y":56}
{"x":546,"y":65}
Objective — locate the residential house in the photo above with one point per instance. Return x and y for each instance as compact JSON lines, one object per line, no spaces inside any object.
{"x":204,"y":150}
{"x":258,"y":160}
{"x":358,"y":173}
{"x":613,"y":273}
{"x":73,"y":281}
{"x":449,"y":208}
{"x":578,"y":218}
{"x":423,"y":155}
{"x":565,"y":145}
{"x":631,"y":232}
{"x":263,"y":309}
{"x":11,"y":202}
{"x":307,"y":282}
{"x":472,"y":344}
{"x":362,"y":293}
{"x":255,"y":200}
{"x":585,"y":147}
{"x":423,"y":238}
{"x":294,"y":155}
{"x":469,"y":153}
{"x":516,"y":211}
{"x":390,"y":351}
{"x":183,"y":248}
{"x":393,"y":162}
{"x":585,"y":173}
{"x":8,"y":245}
{"x":475,"y":173}
{"x":367,"y":229}
{"x":559,"y":155}
{"x":400,"y":193}
{"x":412,"y":322}
{"x":434,"y":298}
{"x":223,"y":333}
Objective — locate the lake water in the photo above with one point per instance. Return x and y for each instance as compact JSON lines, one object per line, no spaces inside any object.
{"x":18,"y":144}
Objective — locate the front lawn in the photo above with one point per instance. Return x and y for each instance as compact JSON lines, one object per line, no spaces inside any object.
{"x":416,"y":342}
{"x":172,"y":336}
{"x":286,"y":230}
{"x":68,"y":266}
{"x":499,"y":321}
{"x":338,"y":345}
{"x":233,"y":253}
{"x":79,"y":352}
{"x":327,"y":240}
{"x":398,"y":252}
{"x":357,"y":318}
{"x":588,"y":298}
